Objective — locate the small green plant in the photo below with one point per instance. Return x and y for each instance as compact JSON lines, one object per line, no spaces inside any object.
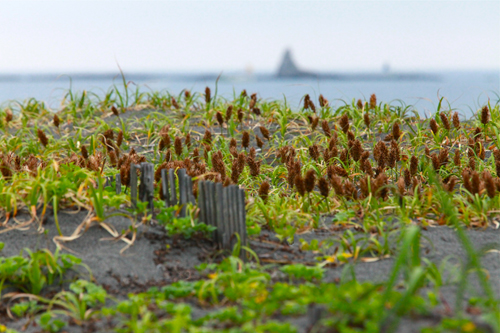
{"x":181,"y":226}
{"x":300,"y":271}
{"x":39,"y":269}
{"x":49,"y":323}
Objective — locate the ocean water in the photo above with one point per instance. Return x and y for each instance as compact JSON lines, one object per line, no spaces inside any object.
{"x":465,"y":91}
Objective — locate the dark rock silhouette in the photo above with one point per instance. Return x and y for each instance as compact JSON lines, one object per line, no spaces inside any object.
{"x":288,"y":69}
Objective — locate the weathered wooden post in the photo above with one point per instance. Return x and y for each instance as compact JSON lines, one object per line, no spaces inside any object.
{"x":133,"y":184}
{"x":146,"y":187}
{"x":181,"y":175}
{"x":173,"y":192}
{"x":118,"y":185}
{"x":165,"y":187}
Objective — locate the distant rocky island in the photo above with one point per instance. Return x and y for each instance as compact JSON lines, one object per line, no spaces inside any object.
{"x":288,"y":69}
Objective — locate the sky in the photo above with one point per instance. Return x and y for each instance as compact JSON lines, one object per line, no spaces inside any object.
{"x":211,"y":36}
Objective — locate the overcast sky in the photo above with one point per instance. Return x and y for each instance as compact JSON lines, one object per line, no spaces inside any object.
{"x":58,"y":36}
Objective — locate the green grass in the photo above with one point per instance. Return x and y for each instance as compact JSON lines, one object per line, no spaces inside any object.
{"x":377,"y":205}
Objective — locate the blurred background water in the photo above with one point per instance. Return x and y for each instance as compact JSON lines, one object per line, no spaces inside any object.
{"x":465,"y":91}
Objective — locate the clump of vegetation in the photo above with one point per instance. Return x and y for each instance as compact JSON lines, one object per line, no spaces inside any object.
{"x":335,"y":168}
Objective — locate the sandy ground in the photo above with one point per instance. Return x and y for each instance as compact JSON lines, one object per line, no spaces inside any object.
{"x":149,"y":262}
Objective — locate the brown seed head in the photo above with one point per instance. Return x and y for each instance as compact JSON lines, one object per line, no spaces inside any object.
{"x":254,"y":166}
{"x":366,"y":118}
{"x":312,"y":106}
{"x":229,"y":113}
{"x":427,"y":152}
{"x":434,"y":126}
{"x":356,"y":150}
{"x":466,"y":180}
{"x":256,"y":111}
{"x":392,"y":158}
{"x":443,"y":157}
{"x":108,"y":134}
{"x":9,"y":116}
{"x":373,"y":101}
{"x":435,"y":161}
{"x":324,"y":189}
{"x":187,"y":94}
{"x":264,"y":191}
{"x":42,"y":137}
{"x":235,"y":171}
{"x":208,"y":96}
{"x":56,"y":120}
{"x":359,"y":104}
{"x":233,"y":143}
{"x":450,"y":186}
{"x":477,"y":133}
{"x":380,"y":153}
{"x":456,"y":158}
{"x":259,"y":141}
{"x":314,"y":122}
{"x":218,"y":164}
{"x":115,"y":111}
{"x":310,"y":180}
{"x":367,"y":167}
{"x":84,"y":152}
{"x":245,"y":139}
{"x":314,"y":152}
{"x":112,"y":158}
{"x":489,"y":184}
{"x":219,"y":117}
{"x":119,"y":139}
{"x":407,"y":177}
{"x":332,"y":143}
{"x":396,"y":132}
{"x":196,"y":155}
{"x":344,"y":123}
{"x":240,"y":115}
{"x":350,"y":136}
{"x":445,"y":121}
{"x":187,"y":140}
{"x":344,"y":156}
{"x":322,"y":101}
{"x":174,"y":103}
{"x":300,"y":185}
{"x":252,"y":152}
{"x":401,"y":186}
{"x":326,"y":156}
{"x":496,"y":154}
{"x":472,"y":163}
{"x":485,"y":115}
{"x":336,"y":182}
{"x":207,"y":138}
{"x":125,"y":174}
{"x":265,"y":132}
{"x":326,"y":128}
{"x":476,"y":183}
{"x":456,"y":120}
{"x":306,"y":101}
{"x":413,"y":165}
{"x":178,"y":146}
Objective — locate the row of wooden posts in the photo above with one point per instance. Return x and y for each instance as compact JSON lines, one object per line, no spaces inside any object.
{"x":219,"y":206}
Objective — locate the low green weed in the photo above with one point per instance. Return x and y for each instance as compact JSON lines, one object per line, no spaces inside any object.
{"x":38,"y":269}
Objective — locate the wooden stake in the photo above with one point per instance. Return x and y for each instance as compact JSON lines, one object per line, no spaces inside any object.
{"x":133,"y":185}
{"x":173,"y":197}
{"x":118,"y":185}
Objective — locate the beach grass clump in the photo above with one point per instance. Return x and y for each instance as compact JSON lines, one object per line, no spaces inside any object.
{"x":320,"y":168}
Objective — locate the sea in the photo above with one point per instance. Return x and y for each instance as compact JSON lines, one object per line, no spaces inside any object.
{"x":463,"y":91}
